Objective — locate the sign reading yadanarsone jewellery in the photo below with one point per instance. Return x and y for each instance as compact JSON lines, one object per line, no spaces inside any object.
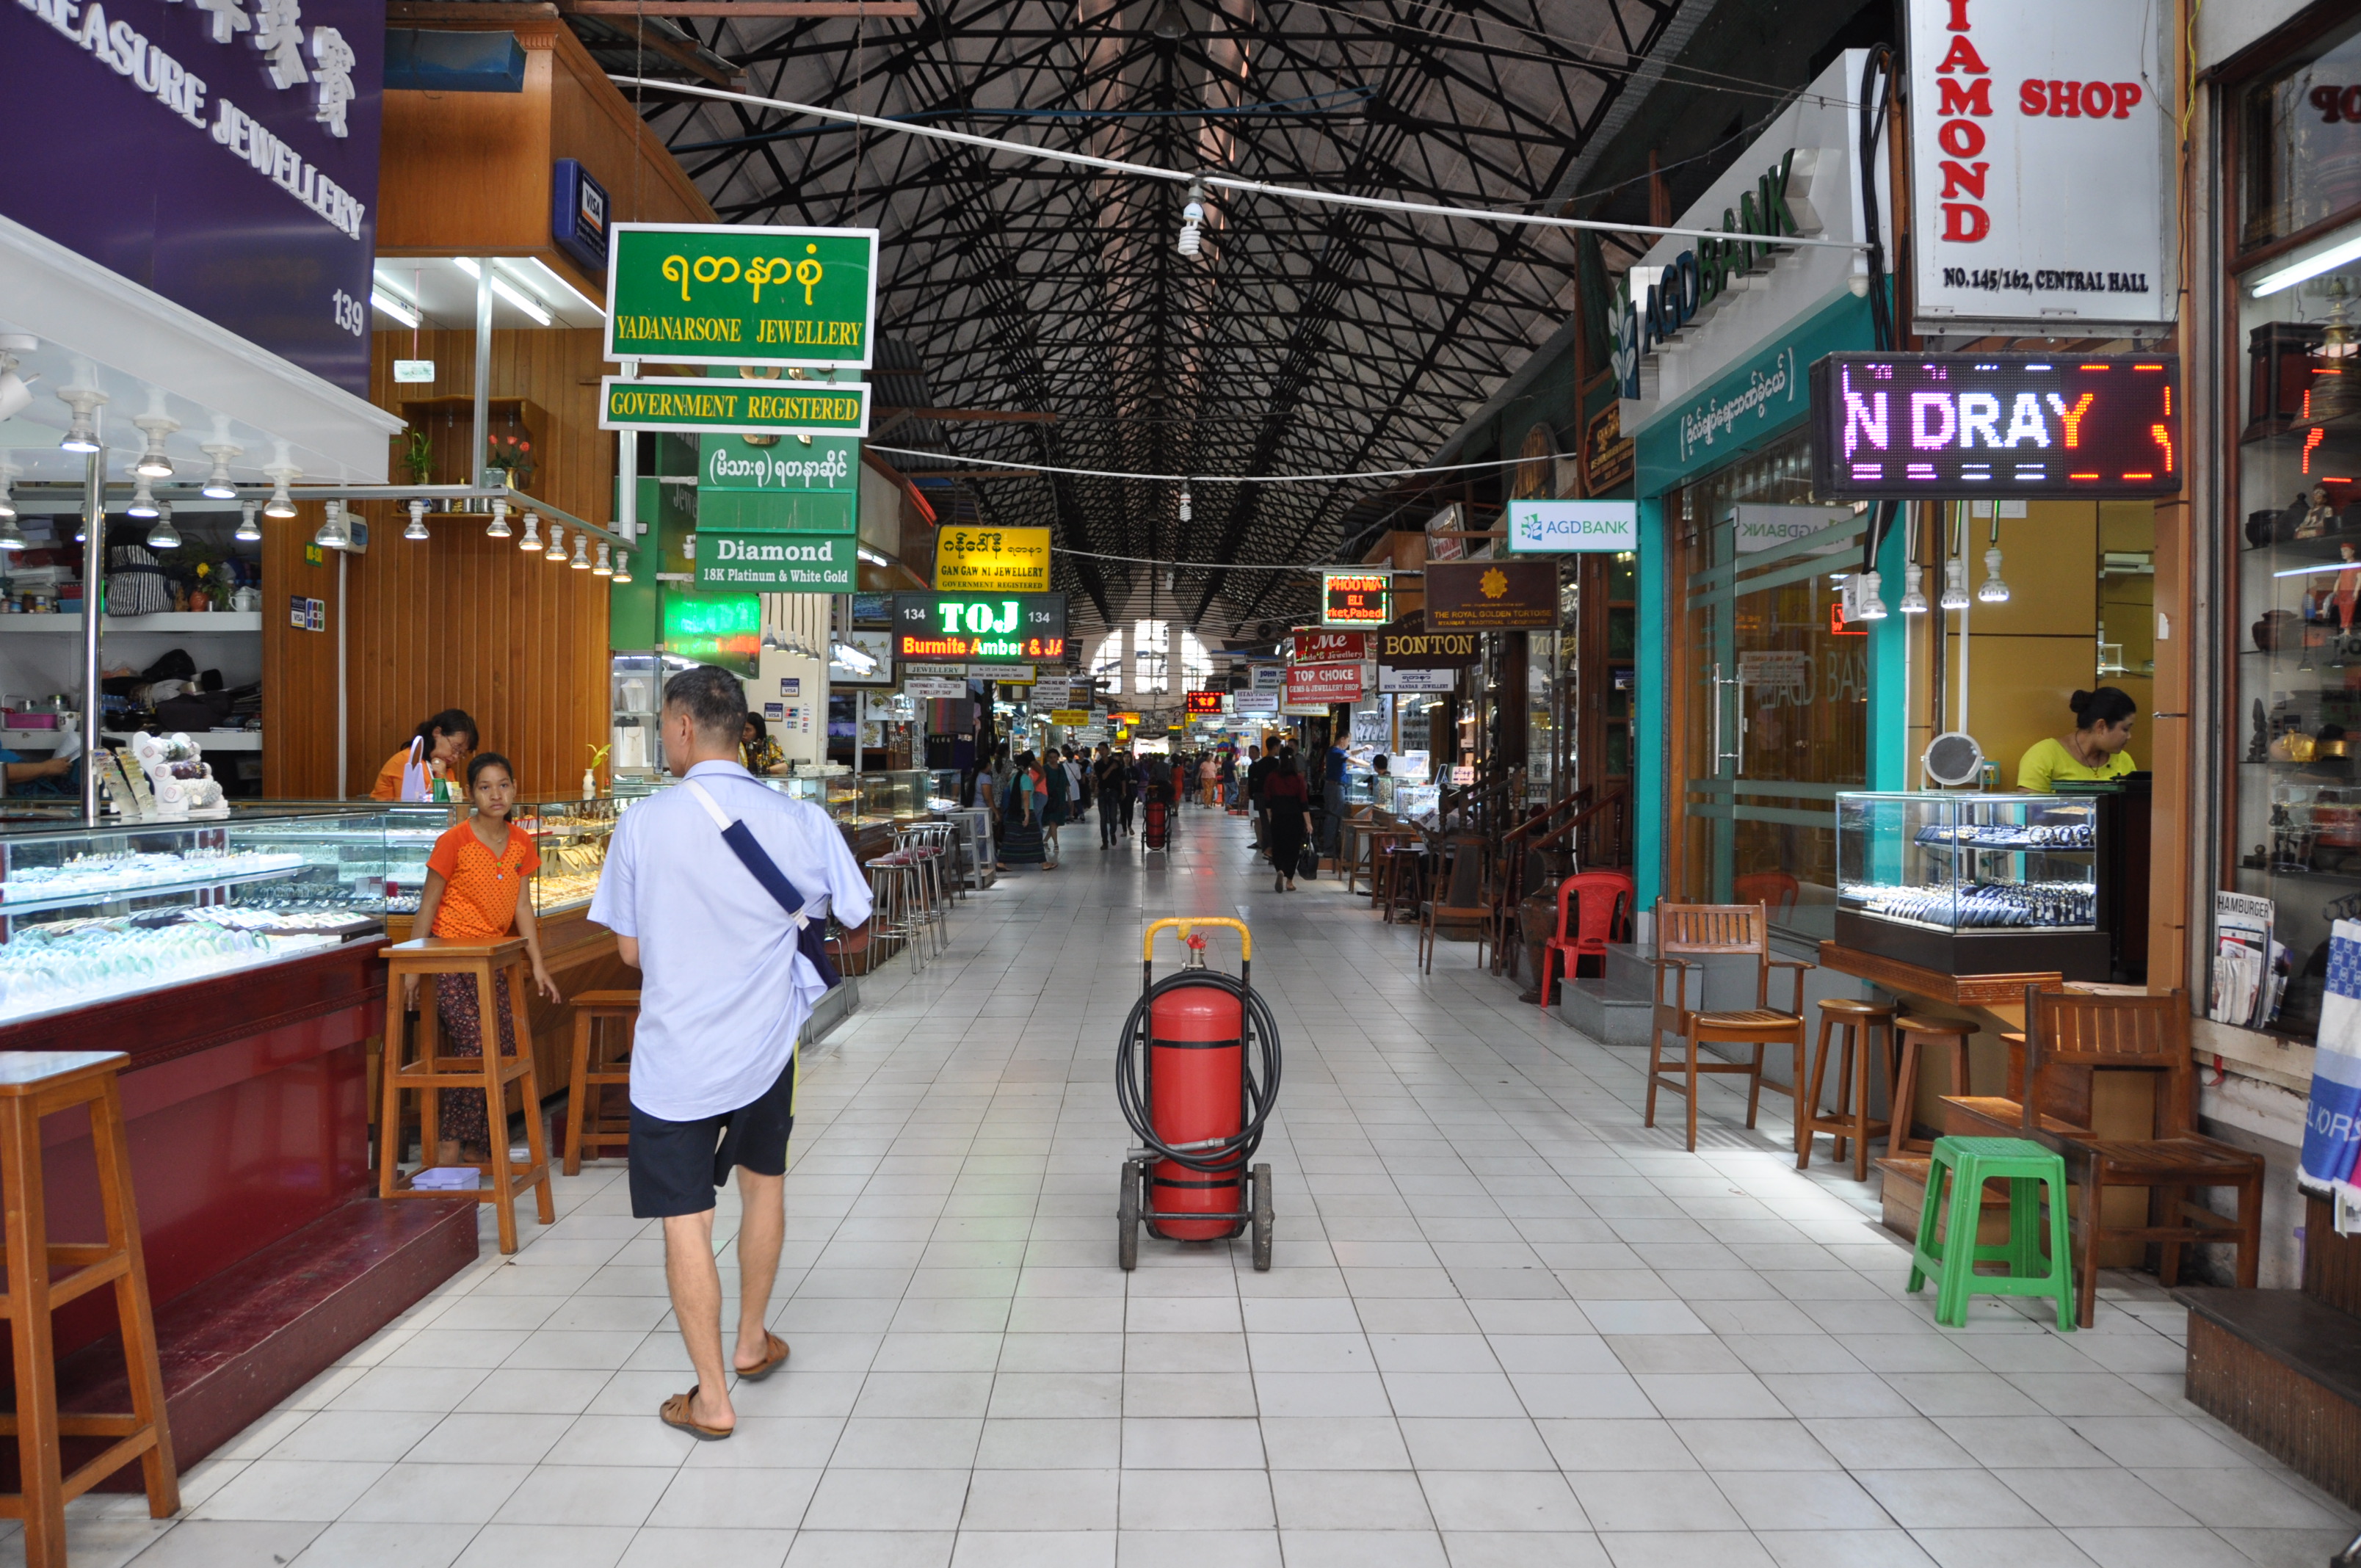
{"x":730,"y":294}
{"x":1492,"y":595}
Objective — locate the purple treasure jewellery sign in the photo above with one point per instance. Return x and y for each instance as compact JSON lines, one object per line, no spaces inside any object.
{"x":223,"y":153}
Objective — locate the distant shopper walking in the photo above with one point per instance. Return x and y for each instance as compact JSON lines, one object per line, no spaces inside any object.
{"x":1291,"y":821}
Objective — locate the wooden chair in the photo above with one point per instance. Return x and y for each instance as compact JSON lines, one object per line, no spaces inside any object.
{"x":1913,"y":1034}
{"x":1400,"y":877}
{"x":2139,"y":1034}
{"x":586,"y":1124}
{"x":490,"y":964}
{"x":1688,"y":931}
{"x":1593,"y":909}
{"x":35,"y":1084}
{"x":1867,"y":1037}
{"x":1461,"y":898}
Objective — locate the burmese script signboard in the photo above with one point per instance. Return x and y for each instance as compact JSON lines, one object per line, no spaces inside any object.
{"x":731,"y":294}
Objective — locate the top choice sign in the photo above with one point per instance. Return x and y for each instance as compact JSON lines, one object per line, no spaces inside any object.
{"x":727,"y":294}
{"x":1958,"y":424}
{"x":966,"y":627}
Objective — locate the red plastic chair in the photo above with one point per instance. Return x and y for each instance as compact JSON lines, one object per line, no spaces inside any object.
{"x":1774,"y":890}
{"x":1605,"y":912}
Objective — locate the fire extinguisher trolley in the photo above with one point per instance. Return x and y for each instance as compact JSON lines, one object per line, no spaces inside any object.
{"x":1196,"y":1075}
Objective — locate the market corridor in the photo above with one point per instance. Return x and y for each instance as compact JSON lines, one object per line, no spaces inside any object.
{"x":1508,"y":1328}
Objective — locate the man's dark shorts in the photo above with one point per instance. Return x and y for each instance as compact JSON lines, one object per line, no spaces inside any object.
{"x":677,"y":1165}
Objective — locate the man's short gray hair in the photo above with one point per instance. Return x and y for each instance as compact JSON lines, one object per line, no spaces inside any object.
{"x":715,"y":701}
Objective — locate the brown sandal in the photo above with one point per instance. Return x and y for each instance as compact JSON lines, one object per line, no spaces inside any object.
{"x":775,"y":1355}
{"x":674,"y":1413}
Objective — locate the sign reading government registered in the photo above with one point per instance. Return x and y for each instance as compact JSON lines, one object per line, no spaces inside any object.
{"x":733,"y":294}
{"x":695,"y":405}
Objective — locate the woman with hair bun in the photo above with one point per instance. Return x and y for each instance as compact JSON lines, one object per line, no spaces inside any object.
{"x":2095,"y":749}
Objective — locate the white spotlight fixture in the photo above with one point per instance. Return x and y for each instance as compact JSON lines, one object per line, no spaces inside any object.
{"x":248,"y":531}
{"x":532,"y":539}
{"x":155,"y":462}
{"x":1193,"y":220}
{"x":8,"y":473}
{"x":581,"y":561}
{"x":280,"y":504}
{"x":556,"y":551}
{"x":163,"y":535}
{"x":1993,"y":590}
{"x":498,"y":527}
{"x":1184,"y":503}
{"x":1913,"y":600}
{"x":623,"y":565}
{"x":1955,"y":585}
{"x":81,"y":435}
{"x":16,"y":391}
{"x":218,"y":485}
{"x":417,"y":529}
{"x":143,"y":500}
{"x":603,"y":569}
{"x":1867,"y":603}
{"x":333,"y":535}
{"x":688,"y":546}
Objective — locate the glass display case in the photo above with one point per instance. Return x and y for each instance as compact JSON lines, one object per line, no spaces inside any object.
{"x":1979,"y":884}
{"x":572,"y":837}
{"x":635,"y":684}
{"x":898,"y":794}
{"x":839,"y":794}
{"x":89,"y":914}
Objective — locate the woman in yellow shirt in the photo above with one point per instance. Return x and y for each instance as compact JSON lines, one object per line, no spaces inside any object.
{"x":2096,"y":749}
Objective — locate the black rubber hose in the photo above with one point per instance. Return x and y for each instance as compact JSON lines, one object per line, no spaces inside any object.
{"x":1260,"y":1044}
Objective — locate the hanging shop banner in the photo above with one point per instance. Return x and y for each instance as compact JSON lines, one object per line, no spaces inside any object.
{"x":695,"y":405}
{"x":992,"y":560}
{"x":1204,"y":702}
{"x":723,"y":629}
{"x":1266,"y":676}
{"x":1072,"y":718}
{"x":1443,"y":531}
{"x":1492,"y":595}
{"x":1407,"y":645}
{"x":735,"y":294}
{"x":2012,"y":424}
{"x":775,"y":563}
{"x":758,"y":484}
{"x":224,"y":155}
{"x":1315,"y":684}
{"x":1356,"y":599}
{"x":978,"y":626}
{"x":1255,"y":702}
{"x":934,"y":688}
{"x":1392,"y":679}
{"x":1329,"y":647}
{"x":1057,"y":691}
{"x":1554,"y":528}
{"x":2038,"y":153}
{"x":1005,"y":674}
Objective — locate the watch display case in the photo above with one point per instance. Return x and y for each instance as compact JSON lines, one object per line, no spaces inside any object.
{"x":572,"y":837}
{"x":89,"y":914}
{"x":1978,"y":883}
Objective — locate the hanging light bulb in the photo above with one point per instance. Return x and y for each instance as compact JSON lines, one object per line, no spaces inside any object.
{"x":532,"y":539}
{"x":1192,"y":220}
{"x":1914,"y":600}
{"x":602,"y":569}
{"x":688,"y":546}
{"x":249,"y":529}
{"x":218,"y":485}
{"x":143,"y":498}
{"x":498,"y":528}
{"x":556,"y":551}
{"x":81,"y":435}
{"x":417,"y":529}
{"x":1867,"y":604}
{"x":623,"y":565}
{"x":1955,"y":585}
{"x":1993,"y":590}
{"x":163,"y":535}
{"x":581,"y":562}
{"x":154,"y":462}
{"x":333,"y":535}
{"x":282,"y":504}
{"x":1184,"y":503}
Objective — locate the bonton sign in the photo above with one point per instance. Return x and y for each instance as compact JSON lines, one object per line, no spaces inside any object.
{"x":2039,"y":145}
{"x":1573,"y":527}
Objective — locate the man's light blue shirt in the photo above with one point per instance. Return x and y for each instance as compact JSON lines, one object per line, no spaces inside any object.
{"x":723,"y":991}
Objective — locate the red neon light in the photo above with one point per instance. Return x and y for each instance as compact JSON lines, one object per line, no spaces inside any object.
{"x":2081,"y":475}
{"x":2312,"y":439}
{"x":2148,"y":367}
{"x":2139,"y":475}
{"x":2094,"y":366}
{"x":2163,"y":435}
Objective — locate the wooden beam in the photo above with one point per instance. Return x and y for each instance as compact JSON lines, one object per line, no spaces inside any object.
{"x":994,"y":416}
{"x":751,"y":8}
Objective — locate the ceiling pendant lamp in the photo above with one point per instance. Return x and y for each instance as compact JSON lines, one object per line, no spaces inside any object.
{"x":249,"y":530}
{"x":532,"y":539}
{"x":143,"y":498}
{"x":280,"y":505}
{"x":163,"y":535}
{"x":603,"y":569}
{"x":417,"y":529}
{"x":333,"y":535}
{"x":498,"y":527}
{"x":623,"y":565}
{"x":556,"y":551}
{"x":581,"y":562}
{"x":218,"y":484}
{"x":154,"y":462}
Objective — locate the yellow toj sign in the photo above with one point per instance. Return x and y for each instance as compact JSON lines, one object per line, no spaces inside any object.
{"x":992,"y":560}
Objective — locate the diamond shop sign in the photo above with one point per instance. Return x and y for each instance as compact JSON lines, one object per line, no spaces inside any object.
{"x":694,"y":405}
{"x":731,"y":294}
{"x":775,"y":563}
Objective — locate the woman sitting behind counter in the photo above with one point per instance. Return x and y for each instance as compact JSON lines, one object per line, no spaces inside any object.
{"x":442,"y":744}
{"x":2097,"y":746}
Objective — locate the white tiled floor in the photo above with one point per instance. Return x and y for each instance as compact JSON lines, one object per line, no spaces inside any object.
{"x":1509,"y":1328}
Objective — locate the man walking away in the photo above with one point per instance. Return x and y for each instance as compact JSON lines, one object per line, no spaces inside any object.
{"x":1134,"y":784}
{"x":1108,"y":779}
{"x":1259,"y":773}
{"x":1332,"y":799}
{"x":725,"y":988}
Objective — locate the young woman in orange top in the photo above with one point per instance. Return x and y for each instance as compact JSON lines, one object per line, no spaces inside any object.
{"x":441,"y":744}
{"x":478,"y":888}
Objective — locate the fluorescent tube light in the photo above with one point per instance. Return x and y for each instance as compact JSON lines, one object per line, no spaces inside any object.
{"x":2311,"y":266}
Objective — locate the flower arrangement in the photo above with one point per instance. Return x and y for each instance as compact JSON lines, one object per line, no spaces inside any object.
{"x":511,"y":449}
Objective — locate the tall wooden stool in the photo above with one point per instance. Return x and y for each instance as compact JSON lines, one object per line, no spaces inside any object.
{"x":34,"y":1084}
{"x":490,"y":964}
{"x":586,"y":1124}
{"x":1912,"y":1036}
{"x":1865,"y":1023}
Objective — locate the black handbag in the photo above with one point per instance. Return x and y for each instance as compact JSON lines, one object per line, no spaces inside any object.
{"x":1306,"y":864}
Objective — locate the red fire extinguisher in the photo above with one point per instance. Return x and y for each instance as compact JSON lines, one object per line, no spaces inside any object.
{"x":1197,"y":1073}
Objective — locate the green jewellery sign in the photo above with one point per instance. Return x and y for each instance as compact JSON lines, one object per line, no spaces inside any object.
{"x":730,"y":294}
{"x":775,"y":563}
{"x":713,"y":629}
{"x":693,"y":405}
{"x":765,"y":484}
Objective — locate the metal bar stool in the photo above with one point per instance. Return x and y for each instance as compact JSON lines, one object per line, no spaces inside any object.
{"x":934,"y":902}
{"x":34,"y":1084}
{"x":1865,"y":1023}
{"x":1913,"y":1034}
{"x":586,"y":1124}
{"x":931,"y":842}
{"x":895,"y":894}
{"x":490,"y":964}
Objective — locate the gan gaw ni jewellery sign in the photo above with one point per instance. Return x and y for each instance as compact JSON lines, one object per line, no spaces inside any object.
{"x":992,"y":560}
{"x":730,"y":294}
{"x":1550,"y":528}
{"x":695,"y":406}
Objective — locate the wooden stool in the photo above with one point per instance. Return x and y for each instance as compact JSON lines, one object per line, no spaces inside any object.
{"x":34,"y":1084}
{"x":1912,"y":1034}
{"x":586,"y":1125}
{"x":1851,"y":1123}
{"x":489,"y":963}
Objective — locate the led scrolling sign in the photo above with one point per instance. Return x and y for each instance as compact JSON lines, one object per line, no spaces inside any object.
{"x":1887,"y":426}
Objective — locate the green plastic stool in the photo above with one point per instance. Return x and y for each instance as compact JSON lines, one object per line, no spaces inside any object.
{"x":1971,"y":1163}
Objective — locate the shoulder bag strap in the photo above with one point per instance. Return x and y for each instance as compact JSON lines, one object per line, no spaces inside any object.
{"x":750,"y":854}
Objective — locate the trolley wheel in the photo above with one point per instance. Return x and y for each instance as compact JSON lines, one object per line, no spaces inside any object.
{"x":1262,"y":1218}
{"x":1126,"y":1211}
